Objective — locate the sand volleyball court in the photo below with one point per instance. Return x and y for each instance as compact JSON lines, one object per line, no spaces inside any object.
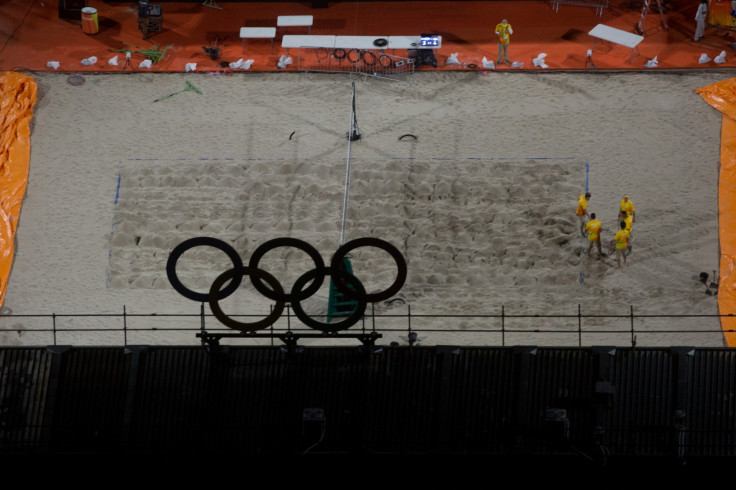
{"x":480,"y":201}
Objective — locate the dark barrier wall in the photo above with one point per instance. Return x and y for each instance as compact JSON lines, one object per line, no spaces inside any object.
{"x":596,"y":403}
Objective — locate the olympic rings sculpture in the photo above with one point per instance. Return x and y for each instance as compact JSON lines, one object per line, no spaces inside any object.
{"x":266,"y":284}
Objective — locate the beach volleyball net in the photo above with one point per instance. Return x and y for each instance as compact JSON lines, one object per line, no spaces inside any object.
{"x":367,"y":63}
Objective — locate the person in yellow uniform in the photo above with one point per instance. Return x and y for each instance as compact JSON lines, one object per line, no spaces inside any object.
{"x":628,"y":207}
{"x":629,"y":220}
{"x":594,"y":234}
{"x":503,"y":31}
{"x":582,"y":211}
{"x":622,"y":240}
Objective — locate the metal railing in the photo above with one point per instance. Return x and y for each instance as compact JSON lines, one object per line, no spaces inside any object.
{"x":500,"y":329}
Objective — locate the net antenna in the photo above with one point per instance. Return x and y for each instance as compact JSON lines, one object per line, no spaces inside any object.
{"x":353,"y":135}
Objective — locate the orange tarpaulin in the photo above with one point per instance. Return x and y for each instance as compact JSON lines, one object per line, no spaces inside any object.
{"x":722,"y":96}
{"x":17,"y":98}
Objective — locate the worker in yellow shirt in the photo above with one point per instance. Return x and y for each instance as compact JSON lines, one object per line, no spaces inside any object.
{"x":582,"y":211}
{"x":503,"y":31}
{"x":628,"y":206}
{"x":594,"y":234}
{"x":621,"y":240}
{"x":629,"y":220}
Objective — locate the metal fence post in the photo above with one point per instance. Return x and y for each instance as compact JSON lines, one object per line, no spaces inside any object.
{"x":580,"y":327}
{"x":633,"y":336}
{"x":373,"y":317}
{"x":503,"y":326}
{"x":201,"y":319}
{"x":408,"y":317}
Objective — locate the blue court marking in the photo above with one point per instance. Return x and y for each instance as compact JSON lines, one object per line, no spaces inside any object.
{"x":204,"y":159}
{"x":117,"y":191}
{"x":112,"y":231}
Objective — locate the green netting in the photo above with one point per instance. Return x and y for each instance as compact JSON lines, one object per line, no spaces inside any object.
{"x":338,"y":305}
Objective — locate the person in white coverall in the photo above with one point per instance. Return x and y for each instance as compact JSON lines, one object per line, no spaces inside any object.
{"x":700,"y":16}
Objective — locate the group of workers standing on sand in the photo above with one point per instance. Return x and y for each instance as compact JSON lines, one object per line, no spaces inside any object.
{"x":591,"y":228}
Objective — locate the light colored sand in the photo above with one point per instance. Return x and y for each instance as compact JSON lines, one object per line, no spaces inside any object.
{"x":481,"y":204}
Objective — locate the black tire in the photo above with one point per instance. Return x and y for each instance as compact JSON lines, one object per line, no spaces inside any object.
{"x":353,"y":55}
{"x":385,"y":61}
{"x":369,"y":58}
{"x":322,"y":54}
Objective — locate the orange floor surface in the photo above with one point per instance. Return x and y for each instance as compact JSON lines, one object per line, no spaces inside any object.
{"x":32,"y":34}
